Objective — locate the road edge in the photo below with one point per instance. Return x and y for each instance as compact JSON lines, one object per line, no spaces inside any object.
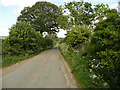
{"x":71,"y":82}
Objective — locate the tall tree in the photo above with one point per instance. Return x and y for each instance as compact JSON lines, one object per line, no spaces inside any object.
{"x":82,"y":13}
{"x":42,"y":16}
{"x":63,"y":19}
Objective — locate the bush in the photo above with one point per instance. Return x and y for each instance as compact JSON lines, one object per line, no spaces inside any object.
{"x":78,"y":36}
{"x":48,"y":41}
{"x":22,"y":39}
{"x":85,"y":77}
{"x":105,"y":49}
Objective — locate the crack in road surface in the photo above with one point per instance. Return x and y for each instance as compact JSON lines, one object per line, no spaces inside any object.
{"x":46,"y":70}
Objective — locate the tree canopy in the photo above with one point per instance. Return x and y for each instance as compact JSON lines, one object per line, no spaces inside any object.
{"x":23,"y":39}
{"x":82,"y":13}
{"x":42,"y":16}
{"x":78,"y":36}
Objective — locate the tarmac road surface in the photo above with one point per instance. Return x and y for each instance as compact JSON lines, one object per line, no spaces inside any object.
{"x":46,"y":70}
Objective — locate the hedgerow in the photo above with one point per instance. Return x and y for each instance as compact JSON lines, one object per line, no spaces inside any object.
{"x":102,"y":51}
{"x":24,"y":40}
{"x":78,"y":36}
{"x":105,"y":49}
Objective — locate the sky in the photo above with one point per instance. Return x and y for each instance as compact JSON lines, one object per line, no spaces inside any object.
{"x":10,"y":10}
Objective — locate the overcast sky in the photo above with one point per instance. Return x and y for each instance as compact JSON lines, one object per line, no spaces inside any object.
{"x":10,"y":10}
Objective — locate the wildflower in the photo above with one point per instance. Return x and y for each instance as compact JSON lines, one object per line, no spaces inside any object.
{"x":97,"y":65}
{"x":102,"y":66}
{"x":90,"y":70}
{"x":94,"y":76}
{"x":105,"y":84}
{"x":92,"y":66}
{"x":93,"y":59}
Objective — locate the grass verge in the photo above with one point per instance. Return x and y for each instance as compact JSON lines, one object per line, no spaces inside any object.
{"x":85,"y":77}
{"x":7,"y":61}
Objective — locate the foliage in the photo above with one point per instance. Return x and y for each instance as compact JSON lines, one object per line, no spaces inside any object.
{"x":105,"y":48}
{"x":23,"y":39}
{"x":48,"y":41}
{"x":102,"y":50}
{"x":85,"y":77}
{"x":63,"y":19}
{"x":82,"y":13}
{"x":42,"y":16}
{"x":78,"y":36}
{"x":7,"y":61}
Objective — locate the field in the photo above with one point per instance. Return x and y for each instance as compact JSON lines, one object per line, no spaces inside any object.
{"x":60,"y":38}
{"x":2,"y":37}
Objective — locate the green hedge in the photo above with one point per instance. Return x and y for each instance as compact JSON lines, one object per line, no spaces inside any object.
{"x":105,"y":49}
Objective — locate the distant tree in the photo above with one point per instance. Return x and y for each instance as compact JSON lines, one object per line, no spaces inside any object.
{"x":42,"y":16}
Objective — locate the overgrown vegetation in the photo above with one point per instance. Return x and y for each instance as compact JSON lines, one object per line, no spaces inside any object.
{"x":26,"y":36}
{"x":94,"y":57}
{"x":91,"y":46}
{"x":23,"y":41}
{"x":78,"y":36}
{"x":105,"y":48}
{"x":86,"y":77}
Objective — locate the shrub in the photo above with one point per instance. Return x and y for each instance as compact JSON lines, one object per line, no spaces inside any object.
{"x":105,"y":48}
{"x":22,"y":39}
{"x":78,"y":36}
{"x":48,"y":41}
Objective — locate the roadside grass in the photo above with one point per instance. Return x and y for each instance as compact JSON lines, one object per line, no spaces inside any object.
{"x":10,"y":60}
{"x":7,"y":61}
{"x":85,"y":78}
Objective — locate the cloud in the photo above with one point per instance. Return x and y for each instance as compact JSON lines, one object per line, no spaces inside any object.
{"x":31,"y":2}
{"x":4,"y":31}
{"x":114,"y":6}
{"x":20,"y":3}
{"x":103,"y":1}
{"x":18,"y":10}
{"x":61,"y":33}
{"x":24,"y":3}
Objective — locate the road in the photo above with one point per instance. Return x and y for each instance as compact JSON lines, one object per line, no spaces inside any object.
{"x":46,"y":70}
